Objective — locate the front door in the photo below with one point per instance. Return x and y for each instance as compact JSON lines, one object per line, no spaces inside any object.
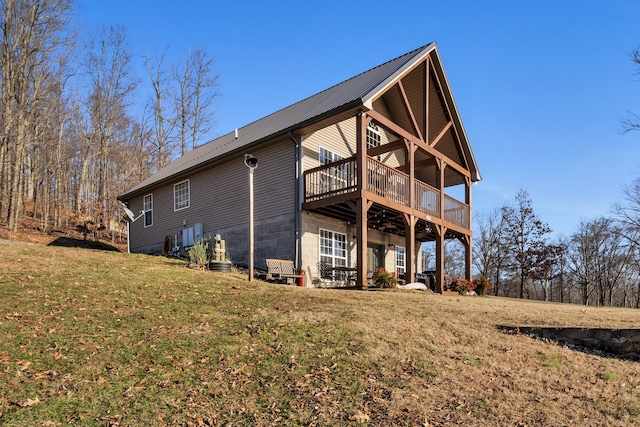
{"x":374,"y":258}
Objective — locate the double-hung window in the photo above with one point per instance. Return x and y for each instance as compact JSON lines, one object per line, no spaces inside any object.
{"x":333,"y":248}
{"x":333,"y":178}
{"x":148,"y":210}
{"x":181,"y":195}
{"x":401,"y":260}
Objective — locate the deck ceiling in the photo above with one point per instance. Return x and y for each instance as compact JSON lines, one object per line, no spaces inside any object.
{"x":383,"y":219}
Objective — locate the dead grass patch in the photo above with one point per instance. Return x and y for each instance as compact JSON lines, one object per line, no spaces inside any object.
{"x":94,"y":338}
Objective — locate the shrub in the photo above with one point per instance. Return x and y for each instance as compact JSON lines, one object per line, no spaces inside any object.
{"x":482,"y":286}
{"x":384,"y":279}
{"x":462,"y":286}
{"x":199,"y":254}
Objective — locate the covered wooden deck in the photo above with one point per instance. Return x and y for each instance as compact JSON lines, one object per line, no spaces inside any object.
{"x":336,"y":184}
{"x":371,"y":194}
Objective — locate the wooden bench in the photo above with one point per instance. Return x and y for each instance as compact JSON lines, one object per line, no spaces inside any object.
{"x":281,"y":269}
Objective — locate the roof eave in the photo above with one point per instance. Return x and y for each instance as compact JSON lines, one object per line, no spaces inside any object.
{"x":393,"y":78}
{"x":345,"y":107}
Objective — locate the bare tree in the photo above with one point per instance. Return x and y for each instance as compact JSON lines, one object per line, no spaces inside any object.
{"x":582,"y":257}
{"x":33,"y":32}
{"x":560,"y":272}
{"x":600,"y":260}
{"x":183,"y":97}
{"x":196,"y":93}
{"x":164,"y":122}
{"x":454,"y":258}
{"x":203,"y":94}
{"x":489,"y":250}
{"x":108,"y":65}
{"x":632,"y":122}
{"x":525,"y":238}
{"x":627,"y":212}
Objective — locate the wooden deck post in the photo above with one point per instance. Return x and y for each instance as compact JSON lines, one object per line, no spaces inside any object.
{"x":468,"y":251}
{"x":410,"y":222}
{"x":362,"y":204}
{"x":361,"y":243}
{"x":440,"y":233}
{"x":468,"y":239}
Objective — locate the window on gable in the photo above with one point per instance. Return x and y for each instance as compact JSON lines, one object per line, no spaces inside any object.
{"x":148,"y":210}
{"x":181,"y":195}
{"x":374,"y":137}
{"x":401,"y":261}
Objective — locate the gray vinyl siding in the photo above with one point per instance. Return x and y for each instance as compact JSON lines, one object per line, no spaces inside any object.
{"x":219,"y":196}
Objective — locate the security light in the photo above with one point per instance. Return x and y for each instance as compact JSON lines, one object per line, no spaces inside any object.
{"x":250,"y":161}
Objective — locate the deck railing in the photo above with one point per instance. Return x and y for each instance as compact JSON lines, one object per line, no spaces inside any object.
{"x":387,"y":182}
{"x":427,"y":199}
{"x":341,"y":177}
{"x":330,"y":180}
{"x":456,"y":212}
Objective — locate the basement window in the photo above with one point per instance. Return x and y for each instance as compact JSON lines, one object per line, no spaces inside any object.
{"x":401,"y":260}
{"x":181,"y":195}
{"x":333,"y":248}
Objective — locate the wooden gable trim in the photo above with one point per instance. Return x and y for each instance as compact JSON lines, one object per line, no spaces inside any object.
{"x":427,"y":94}
{"x":442,"y":133}
{"x":385,"y":148}
{"x":409,"y":110}
{"x":381,"y":90}
{"x":463,"y":157}
{"x":420,"y":143}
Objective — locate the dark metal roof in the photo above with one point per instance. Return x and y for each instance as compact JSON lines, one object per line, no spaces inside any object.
{"x":340,"y":97}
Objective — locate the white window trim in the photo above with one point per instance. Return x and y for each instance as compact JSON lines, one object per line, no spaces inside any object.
{"x":333,"y":156}
{"x":404,"y":259}
{"x":334,"y":177}
{"x":144,"y":208}
{"x":188,"y":195}
{"x":333,"y":240}
{"x":372,"y":130}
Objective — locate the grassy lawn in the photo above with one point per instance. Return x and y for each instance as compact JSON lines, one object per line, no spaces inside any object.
{"x":112,"y":339}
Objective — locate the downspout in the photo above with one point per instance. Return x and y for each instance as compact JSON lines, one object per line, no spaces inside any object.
{"x":298,"y":217}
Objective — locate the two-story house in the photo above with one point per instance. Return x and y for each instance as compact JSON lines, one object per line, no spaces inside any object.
{"x":353,"y":178}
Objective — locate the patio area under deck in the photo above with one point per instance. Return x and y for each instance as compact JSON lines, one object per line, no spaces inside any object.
{"x":390,"y":201}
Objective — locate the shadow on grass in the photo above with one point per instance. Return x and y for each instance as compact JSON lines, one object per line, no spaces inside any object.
{"x":621,"y":344}
{"x":69,"y":242}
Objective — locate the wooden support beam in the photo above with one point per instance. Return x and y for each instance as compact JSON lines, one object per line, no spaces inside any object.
{"x":385,"y":148}
{"x":410,"y":222}
{"x":361,"y":243}
{"x":427,"y":73}
{"x":469,"y":247}
{"x":362,"y":205}
{"x":468,"y":254}
{"x":442,"y":133}
{"x":383,"y":121}
{"x":440,"y":233}
{"x":409,"y":111}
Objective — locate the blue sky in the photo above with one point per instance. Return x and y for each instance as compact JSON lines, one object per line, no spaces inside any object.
{"x":542,"y":86}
